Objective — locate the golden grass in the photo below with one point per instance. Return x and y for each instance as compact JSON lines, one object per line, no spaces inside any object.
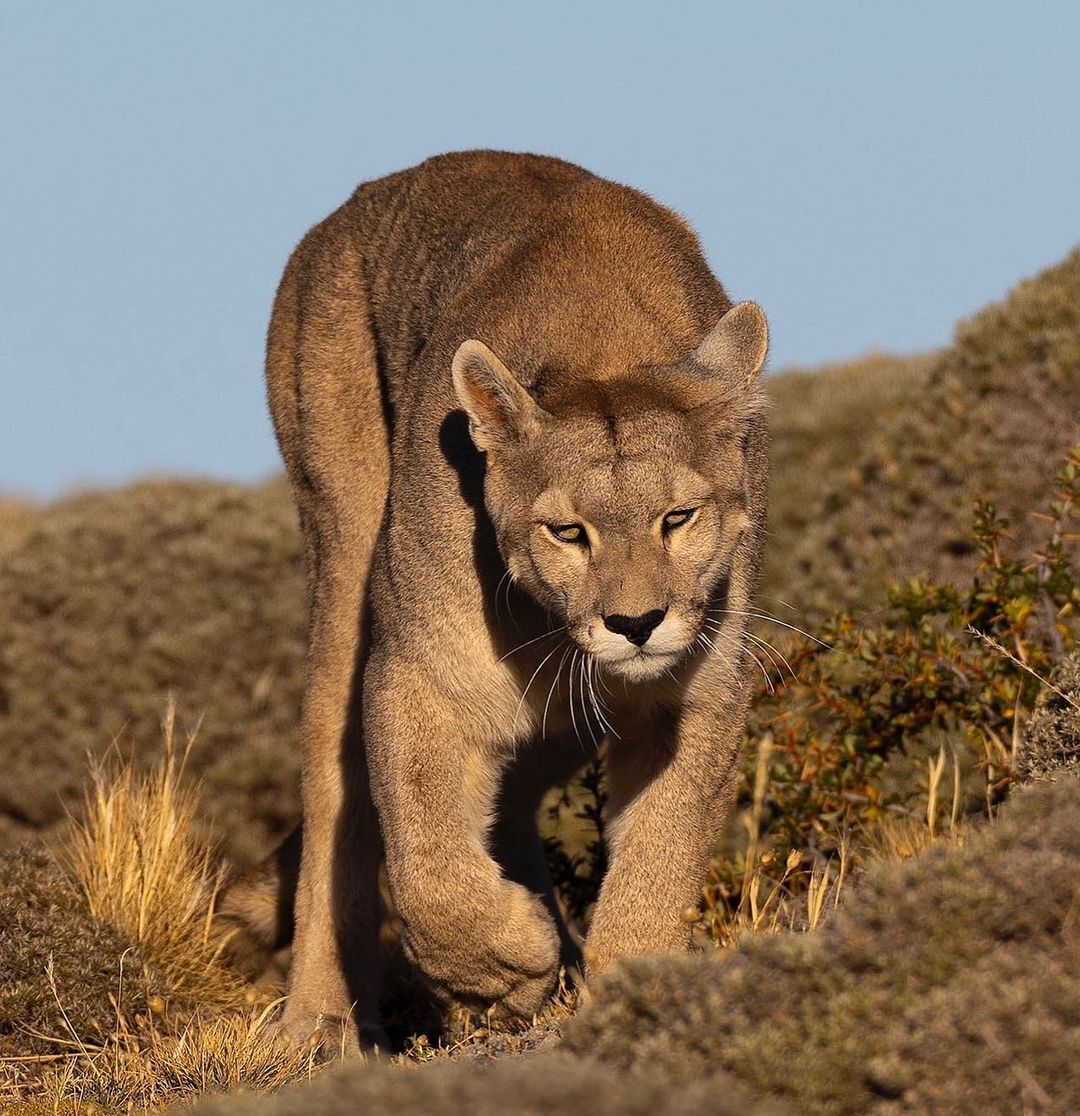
{"x":797,"y":899}
{"x":135,"y":857}
{"x":900,"y":836}
{"x":153,"y":1064}
{"x":807,"y":888}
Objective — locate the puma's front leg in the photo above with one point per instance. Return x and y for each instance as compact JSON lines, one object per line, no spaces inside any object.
{"x":670,"y":784}
{"x":477,"y":937}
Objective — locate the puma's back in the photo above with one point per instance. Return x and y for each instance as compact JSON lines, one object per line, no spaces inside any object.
{"x":558,"y":270}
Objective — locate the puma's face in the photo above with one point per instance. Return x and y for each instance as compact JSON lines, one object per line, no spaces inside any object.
{"x":620,"y":506}
{"x":623,"y":528}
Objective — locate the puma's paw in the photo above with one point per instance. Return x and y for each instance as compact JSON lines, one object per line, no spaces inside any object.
{"x":509,"y":961}
{"x":331,"y":1035}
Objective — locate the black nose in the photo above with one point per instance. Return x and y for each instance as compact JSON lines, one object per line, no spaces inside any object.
{"x":637,"y":629}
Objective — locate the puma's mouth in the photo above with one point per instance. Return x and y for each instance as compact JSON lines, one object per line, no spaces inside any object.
{"x":631,"y":659}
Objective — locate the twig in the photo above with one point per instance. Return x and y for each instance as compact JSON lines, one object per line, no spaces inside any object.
{"x":972,"y":630}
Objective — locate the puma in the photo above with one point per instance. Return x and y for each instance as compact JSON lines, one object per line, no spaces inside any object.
{"x":524,"y":428}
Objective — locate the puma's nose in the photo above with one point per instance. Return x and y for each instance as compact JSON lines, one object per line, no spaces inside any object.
{"x":637,"y":629}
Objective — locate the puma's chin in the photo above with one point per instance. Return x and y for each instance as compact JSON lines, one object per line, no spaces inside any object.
{"x":641,"y":665}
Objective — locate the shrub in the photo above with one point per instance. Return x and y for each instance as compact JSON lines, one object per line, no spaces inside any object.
{"x":52,"y":952}
{"x":941,"y":668}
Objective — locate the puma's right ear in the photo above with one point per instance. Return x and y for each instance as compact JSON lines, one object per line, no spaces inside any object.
{"x":735,"y":348}
{"x":499,"y":408}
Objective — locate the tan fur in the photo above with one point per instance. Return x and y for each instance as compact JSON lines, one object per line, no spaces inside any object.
{"x":572,"y":328}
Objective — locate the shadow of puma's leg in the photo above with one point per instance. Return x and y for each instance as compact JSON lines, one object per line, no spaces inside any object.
{"x":257,"y":909}
{"x":515,"y":837}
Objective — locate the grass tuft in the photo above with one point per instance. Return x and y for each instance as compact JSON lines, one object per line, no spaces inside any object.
{"x":136,"y":858}
{"x":154,"y":1065}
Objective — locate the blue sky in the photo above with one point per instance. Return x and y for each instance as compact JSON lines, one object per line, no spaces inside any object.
{"x":869,"y":172}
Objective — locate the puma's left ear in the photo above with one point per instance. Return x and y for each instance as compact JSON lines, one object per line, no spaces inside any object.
{"x":499,"y":408}
{"x":736,"y":345}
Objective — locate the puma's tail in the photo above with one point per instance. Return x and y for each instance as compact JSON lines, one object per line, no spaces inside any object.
{"x":256,"y":908}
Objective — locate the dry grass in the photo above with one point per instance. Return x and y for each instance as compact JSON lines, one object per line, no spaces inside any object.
{"x":797,"y":895}
{"x":135,"y":857}
{"x":158,"y":1064}
{"x":898,"y":836}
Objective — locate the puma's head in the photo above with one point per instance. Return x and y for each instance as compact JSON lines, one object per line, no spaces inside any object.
{"x":619,"y":503}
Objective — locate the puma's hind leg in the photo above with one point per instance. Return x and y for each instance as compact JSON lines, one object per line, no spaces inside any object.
{"x":324,"y":392}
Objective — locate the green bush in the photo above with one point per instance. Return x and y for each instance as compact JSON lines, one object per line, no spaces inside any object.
{"x":938,"y":663}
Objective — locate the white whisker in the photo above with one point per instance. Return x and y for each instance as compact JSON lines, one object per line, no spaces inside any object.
{"x":720,"y":632}
{"x":772,"y":651}
{"x":584,"y":694}
{"x":597,"y":704}
{"x":772,"y":620}
{"x":530,"y":642}
{"x":711,"y":646}
{"x":551,"y":690}
{"x":765,"y":646}
{"x":764,"y":672}
{"x":601,"y":680}
{"x":525,"y":692}
{"x":779,"y":601}
{"x":570,"y":687}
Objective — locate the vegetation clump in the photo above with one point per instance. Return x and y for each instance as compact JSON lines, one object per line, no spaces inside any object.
{"x":113,"y":990}
{"x":852,"y":719}
{"x":1052,"y":736}
{"x":534,"y":1087}
{"x":59,"y":966}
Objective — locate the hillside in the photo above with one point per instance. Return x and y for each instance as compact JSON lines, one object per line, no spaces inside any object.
{"x":877,"y":463}
{"x":110,"y":601}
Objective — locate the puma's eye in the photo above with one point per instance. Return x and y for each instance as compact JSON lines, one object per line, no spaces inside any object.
{"x":675,"y":519}
{"x":568,"y":532}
